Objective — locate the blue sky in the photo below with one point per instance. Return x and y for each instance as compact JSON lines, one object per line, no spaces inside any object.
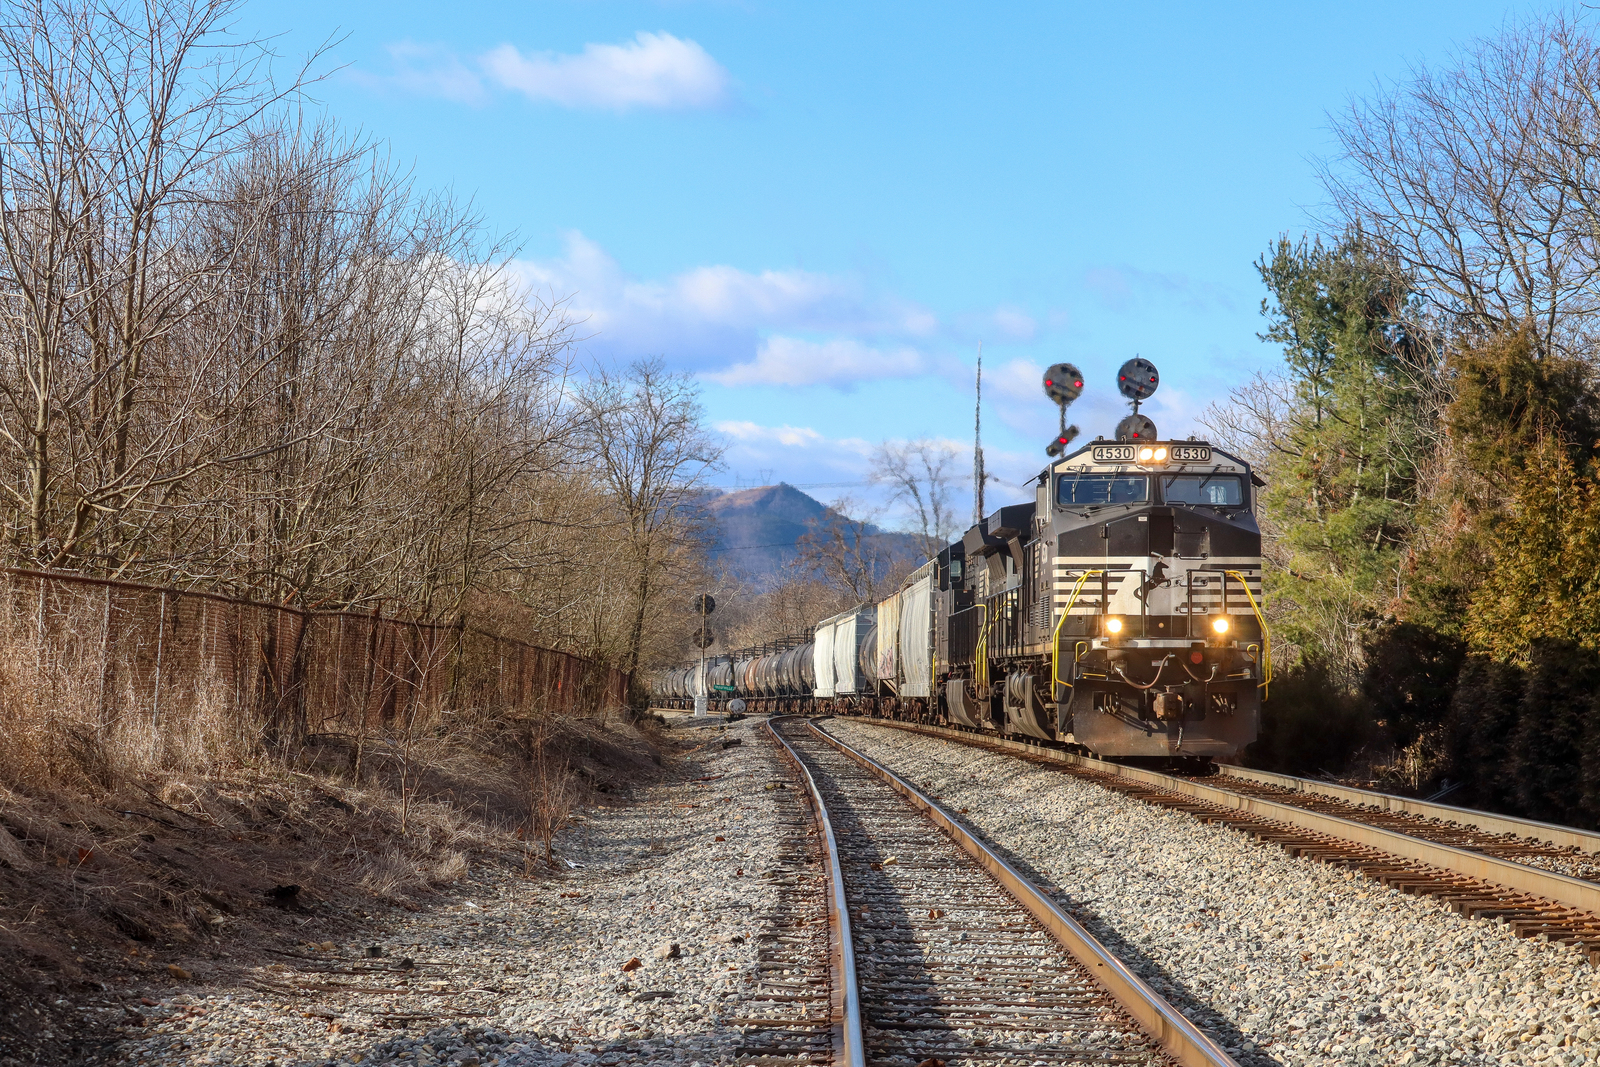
{"x":823,"y":208}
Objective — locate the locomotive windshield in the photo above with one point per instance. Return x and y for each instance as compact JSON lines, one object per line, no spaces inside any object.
{"x":1214,"y":490}
{"x":1094,"y":489}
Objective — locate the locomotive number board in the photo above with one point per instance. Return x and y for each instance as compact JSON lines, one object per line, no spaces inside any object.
{"x":1130,"y":453}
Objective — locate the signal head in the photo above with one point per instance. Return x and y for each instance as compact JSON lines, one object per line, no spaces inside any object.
{"x":1059,"y":443}
{"x":1137,"y":379}
{"x":1136,"y":429}
{"x":1063,"y":383}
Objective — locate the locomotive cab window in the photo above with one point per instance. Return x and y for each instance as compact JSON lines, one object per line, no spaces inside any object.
{"x":1206,"y":490}
{"x":1097,"y":489}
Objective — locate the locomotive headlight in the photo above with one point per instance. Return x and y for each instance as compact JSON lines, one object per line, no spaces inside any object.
{"x":1161,"y":455}
{"x":1146,"y":455}
{"x":1113,"y":625}
{"x":1220,"y":625}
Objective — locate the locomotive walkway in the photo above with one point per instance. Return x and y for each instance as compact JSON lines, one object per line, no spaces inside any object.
{"x":941,"y":952}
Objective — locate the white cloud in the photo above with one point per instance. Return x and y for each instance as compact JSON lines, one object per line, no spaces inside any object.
{"x":725,"y":320}
{"x":427,"y":70}
{"x":1014,"y":323}
{"x":800,"y":455}
{"x":788,"y":436}
{"x":842,"y":361}
{"x":654,"y":70}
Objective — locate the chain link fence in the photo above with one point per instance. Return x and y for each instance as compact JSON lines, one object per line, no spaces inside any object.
{"x":157,"y":653}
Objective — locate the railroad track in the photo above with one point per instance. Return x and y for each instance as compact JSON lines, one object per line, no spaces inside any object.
{"x":1476,"y":872}
{"x":939,"y":951}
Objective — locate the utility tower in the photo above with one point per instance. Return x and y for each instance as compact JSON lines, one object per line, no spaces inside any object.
{"x":977,"y":446}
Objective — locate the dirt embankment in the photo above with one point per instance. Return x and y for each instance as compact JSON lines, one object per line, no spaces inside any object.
{"x":197,"y":876}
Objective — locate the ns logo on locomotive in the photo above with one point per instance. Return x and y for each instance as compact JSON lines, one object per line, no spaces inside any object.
{"x":1118,"y":612}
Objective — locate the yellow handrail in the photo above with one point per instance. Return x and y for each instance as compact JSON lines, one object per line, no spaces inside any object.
{"x":1055,"y":636}
{"x":980,"y":662}
{"x":1266,"y":635}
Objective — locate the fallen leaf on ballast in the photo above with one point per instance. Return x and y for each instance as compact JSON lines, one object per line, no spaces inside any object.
{"x":633,"y":964}
{"x":719,"y":837}
{"x":177,"y":972}
{"x":931,"y":1062}
{"x":891,"y":859}
{"x":877,"y":866}
{"x":935,"y":913}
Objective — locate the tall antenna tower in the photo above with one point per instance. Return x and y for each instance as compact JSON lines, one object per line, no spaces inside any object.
{"x":977,"y":446}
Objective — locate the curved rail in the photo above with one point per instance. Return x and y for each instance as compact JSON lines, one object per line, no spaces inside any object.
{"x":1180,"y":1038}
{"x":846,"y":997}
{"x":1487,"y":821}
{"x":1559,"y":888}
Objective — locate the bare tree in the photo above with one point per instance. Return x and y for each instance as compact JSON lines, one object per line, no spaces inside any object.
{"x":918,"y":477}
{"x":113,"y":119}
{"x":238,"y":350}
{"x":653,"y":456}
{"x":850,"y":554}
{"x":1483,"y":180}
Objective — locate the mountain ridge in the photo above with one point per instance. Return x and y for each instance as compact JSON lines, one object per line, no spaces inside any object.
{"x":756,"y":529}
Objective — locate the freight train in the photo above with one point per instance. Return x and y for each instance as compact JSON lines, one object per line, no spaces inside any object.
{"x":1119,"y":611}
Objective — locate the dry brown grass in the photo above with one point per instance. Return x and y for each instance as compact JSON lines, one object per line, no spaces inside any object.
{"x":132,"y":837}
{"x":71,"y":721}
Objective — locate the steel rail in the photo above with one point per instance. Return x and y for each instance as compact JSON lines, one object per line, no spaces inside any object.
{"x":1487,"y":821}
{"x":1560,"y":888}
{"x":1179,"y":1037}
{"x":845,"y":996}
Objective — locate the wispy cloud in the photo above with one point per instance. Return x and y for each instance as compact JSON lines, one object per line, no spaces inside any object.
{"x":763,"y":328}
{"x":793,"y":453}
{"x":841,"y":361}
{"x":779,"y":327}
{"x":654,"y":70}
{"x":427,"y":70}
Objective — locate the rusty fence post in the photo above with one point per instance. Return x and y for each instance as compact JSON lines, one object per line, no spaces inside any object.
{"x":161,"y":634}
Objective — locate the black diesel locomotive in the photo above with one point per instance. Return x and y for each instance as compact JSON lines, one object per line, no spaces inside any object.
{"x":1119,"y":611}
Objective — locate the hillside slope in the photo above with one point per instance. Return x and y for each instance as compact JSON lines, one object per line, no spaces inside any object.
{"x":756,"y":530}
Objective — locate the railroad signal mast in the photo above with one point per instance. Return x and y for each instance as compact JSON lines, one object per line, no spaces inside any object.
{"x":704,"y":605}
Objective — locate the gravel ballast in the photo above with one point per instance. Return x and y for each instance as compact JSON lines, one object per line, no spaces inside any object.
{"x":1282,"y":960}
{"x":524,"y":970}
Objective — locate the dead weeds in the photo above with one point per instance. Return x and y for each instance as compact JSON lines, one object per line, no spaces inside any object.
{"x":102,"y":888}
